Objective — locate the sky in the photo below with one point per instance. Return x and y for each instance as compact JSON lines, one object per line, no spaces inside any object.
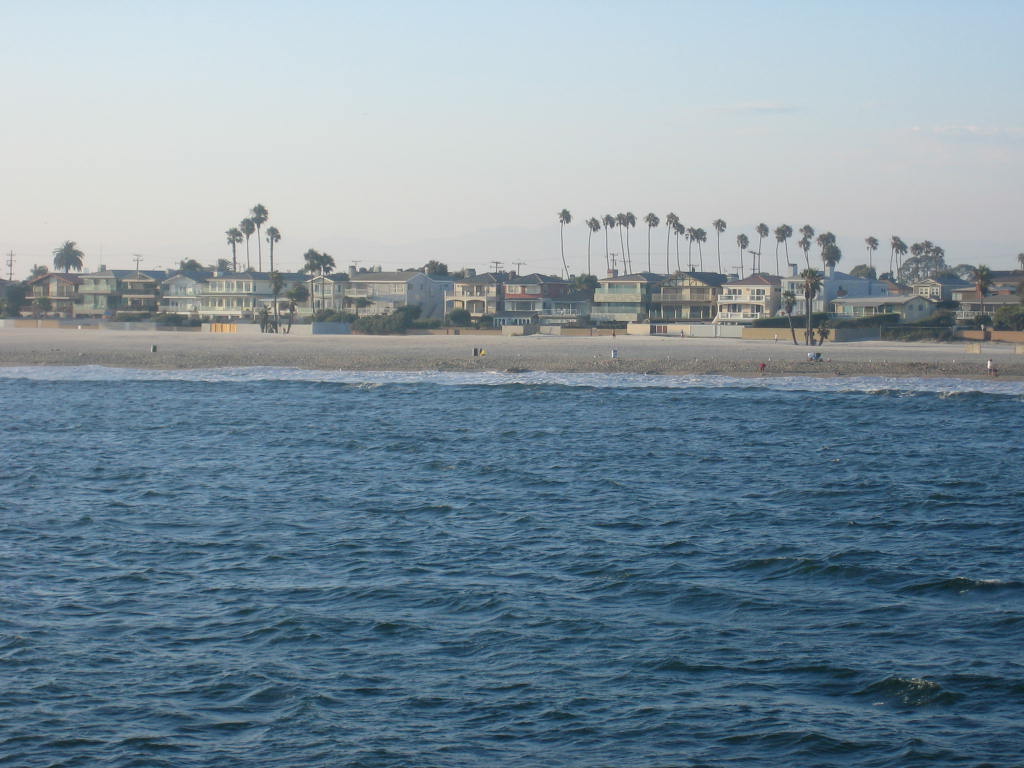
{"x":393,"y":133}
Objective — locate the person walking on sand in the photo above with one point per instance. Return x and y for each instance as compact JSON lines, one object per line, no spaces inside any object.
{"x":991,"y":368}
{"x":761,"y":368}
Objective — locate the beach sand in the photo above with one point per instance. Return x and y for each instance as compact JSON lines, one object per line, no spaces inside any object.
{"x":632,"y":354}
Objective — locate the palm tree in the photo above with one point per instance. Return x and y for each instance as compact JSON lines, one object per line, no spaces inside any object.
{"x":630,"y":222}
{"x":781,"y":237}
{"x":824,"y":239}
{"x":762,"y":232}
{"x":564,"y":217}
{"x":812,"y":284}
{"x":312,"y":267}
{"x":247,"y":226}
{"x":671,"y":225}
{"x":594,"y":226}
{"x":701,"y":237}
{"x":982,"y":277}
{"x":273,"y":236}
{"x":189,"y":265}
{"x":788,"y":303}
{"x":872,"y":244}
{"x":680,"y":231}
{"x":807,"y":233}
{"x":690,"y":233}
{"x":719,"y":225}
{"x":609,"y":223}
{"x":651,"y":220}
{"x":620,"y":219}
{"x":276,"y":286}
{"x":222,"y":265}
{"x":68,"y":257}
{"x":259,"y":215}
{"x":1020,"y":260}
{"x":831,"y":254}
{"x":742,"y":241}
{"x":234,"y":238}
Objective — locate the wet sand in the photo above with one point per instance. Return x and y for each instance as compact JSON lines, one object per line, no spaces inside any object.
{"x":633,"y":354}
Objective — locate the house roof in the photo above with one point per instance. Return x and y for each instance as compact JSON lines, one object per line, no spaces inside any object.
{"x":709,"y":278}
{"x":536,"y":277}
{"x":875,"y":301}
{"x":756,"y":280}
{"x":128,"y":274}
{"x":66,"y":277}
{"x":493,"y":278}
{"x":950,"y":281}
{"x":636,"y":277}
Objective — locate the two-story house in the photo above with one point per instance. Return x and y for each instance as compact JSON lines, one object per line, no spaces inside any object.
{"x":691,"y":296}
{"x":624,"y":298}
{"x":376,"y":292}
{"x":539,"y":298}
{"x":743,"y":301}
{"x":834,"y":285}
{"x":125,"y":291}
{"x":180,"y":294}
{"x":939,"y":288}
{"x":479,"y":295}
{"x":59,"y":289}
{"x":241,"y":294}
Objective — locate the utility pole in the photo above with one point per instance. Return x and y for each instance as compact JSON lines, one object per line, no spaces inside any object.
{"x":10,"y":265}
{"x":137,"y":258}
{"x":496,"y":266}
{"x":355,"y":262}
{"x":519,"y":266}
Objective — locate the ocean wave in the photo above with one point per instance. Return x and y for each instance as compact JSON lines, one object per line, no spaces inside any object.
{"x":874,"y":385}
{"x":909,"y":692}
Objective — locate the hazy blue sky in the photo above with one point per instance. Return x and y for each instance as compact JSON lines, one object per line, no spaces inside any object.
{"x":395,"y":132}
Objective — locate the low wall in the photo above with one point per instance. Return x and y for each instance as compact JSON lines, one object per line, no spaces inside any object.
{"x":1012,"y":337}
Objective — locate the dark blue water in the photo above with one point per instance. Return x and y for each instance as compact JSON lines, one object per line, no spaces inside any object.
{"x":431,"y":571}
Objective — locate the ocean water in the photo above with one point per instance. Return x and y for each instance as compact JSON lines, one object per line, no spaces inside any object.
{"x":282,"y":568}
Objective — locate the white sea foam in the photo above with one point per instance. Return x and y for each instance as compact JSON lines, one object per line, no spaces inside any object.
{"x":941,"y":386}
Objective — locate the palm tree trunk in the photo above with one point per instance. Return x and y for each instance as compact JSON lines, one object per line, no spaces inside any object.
{"x":777,"y":272}
{"x":259,"y":248}
{"x":561,"y":238}
{"x":589,"y":238}
{"x":792,"y":330}
{"x":648,"y":247}
{"x":607,"y":259}
{"x":622,"y":251}
{"x":808,"y":338}
{"x":719,"y":253}
{"x":668,"y":239}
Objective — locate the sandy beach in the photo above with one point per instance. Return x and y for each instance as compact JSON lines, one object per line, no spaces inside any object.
{"x":632,"y":354}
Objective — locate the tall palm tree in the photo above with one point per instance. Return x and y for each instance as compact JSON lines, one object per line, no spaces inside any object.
{"x":788,"y":303}
{"x":812,"y":284}
{"x":781,"y":237}
{"x":824,"y":239}
{"x":872,"y":245}
{"x":68,"y":257}
{"x":671,"y":226}
{"x":259,"y":214}
{"x":564,"y":217}
{"x":762,"y":232}
{"x":898,"y":251}
{"x":742,"y":241}
{"x":594,"y":226}
{"x":247,"y":226}
{"x":273,"y":236}
{"x":620,"y":219}
{"x":680,"y":230}
{"x":805,"y":245}
{"x":690,"y":233}
{"x":701,"y":237}
{"x":234,"y":238}
{"x":719,"y":225}
{"x":831,"y":254}
{"x":630,"y":223}
{"x":651,"y":220}
{"x":609,"y":223}
{"x":1020,"y":260}
{"x":807,"y":233}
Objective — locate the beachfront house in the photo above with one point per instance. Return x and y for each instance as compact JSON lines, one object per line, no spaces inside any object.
{"x":541,"y":299}
{"x":180,"y":293}
{"x":229,"y":295}
{"x":624,"y":298}
{"x":120,"y":291}
{"x":687,"y":296}
{"x":834,"y":285}
{"x":973,"y":308}
{"x":375,"y":292}
{"x":56,"y":290}
{"x":480,"y":295}
{"x":909,"y":308}
{"x":743,"y":301}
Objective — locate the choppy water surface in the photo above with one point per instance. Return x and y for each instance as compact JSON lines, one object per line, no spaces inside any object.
{"x":278,"y":568}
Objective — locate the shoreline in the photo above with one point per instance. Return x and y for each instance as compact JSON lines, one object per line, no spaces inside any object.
{"x":598,"y":354}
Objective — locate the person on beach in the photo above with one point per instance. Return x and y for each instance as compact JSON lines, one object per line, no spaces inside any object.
{"x":761,"y":368}
{"x":991,"y":368}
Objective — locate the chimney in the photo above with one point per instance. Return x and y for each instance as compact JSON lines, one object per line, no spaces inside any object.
{"x":613,"y":273}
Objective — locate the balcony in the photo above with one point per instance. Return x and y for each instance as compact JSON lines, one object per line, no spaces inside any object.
{"x":746,"y":316}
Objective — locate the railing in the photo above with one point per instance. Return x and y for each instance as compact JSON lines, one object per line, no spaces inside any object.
{"x":740,"y":315}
